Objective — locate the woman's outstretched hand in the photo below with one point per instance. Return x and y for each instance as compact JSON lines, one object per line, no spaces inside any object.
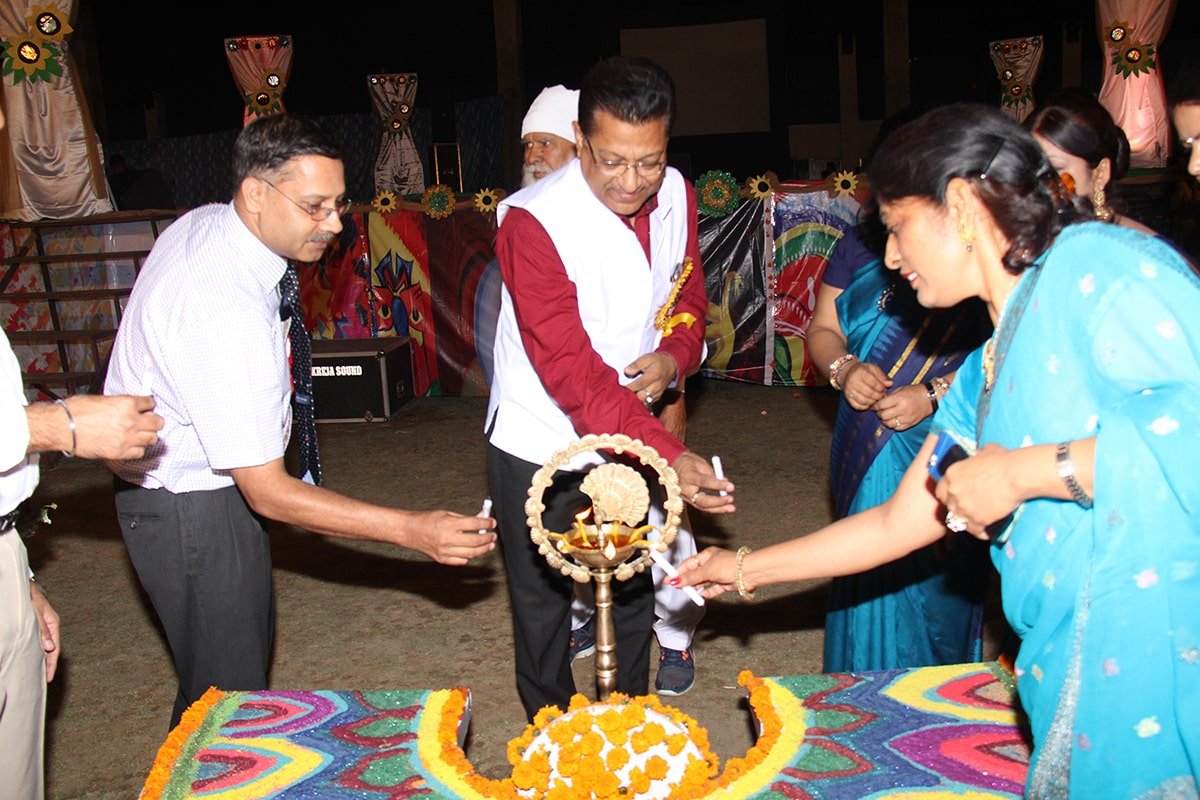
{"x":712,"y":571}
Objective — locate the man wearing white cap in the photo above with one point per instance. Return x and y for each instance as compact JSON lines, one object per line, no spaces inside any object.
{"x":593,"y":258}
{"x":548,"y":132}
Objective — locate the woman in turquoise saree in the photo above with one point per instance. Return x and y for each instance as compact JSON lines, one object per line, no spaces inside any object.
{"x":897,"y":360}
{"x":1082,"y":412}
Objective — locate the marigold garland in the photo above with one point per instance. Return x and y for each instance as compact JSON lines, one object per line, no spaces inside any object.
{"x":630,"y":727}
{"x":438,"y":201}
{"x":717,"y":193}
{"x":172,"y":748}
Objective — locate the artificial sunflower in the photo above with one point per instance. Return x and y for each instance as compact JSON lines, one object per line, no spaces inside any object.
{"x":718,"y":193}
{"x":35,"y":53}
{"x":1016,"y":93}
{"x":438,"y":201}
{"x":1129,"y":56}
{"x":844,"y":183}
{"x":1134,"y":59}
{"x":48,"y":23}
{"x":762,"y":186}
{"x":1118,"y":32}
{"x":384,"y":202}
{"x":487,"y":199}
{"x":398,"y":122}
{"x":264,"y":100}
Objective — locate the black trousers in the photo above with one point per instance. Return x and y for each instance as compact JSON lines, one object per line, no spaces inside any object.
{"x":204,"y":560}
{"x":540,"y":597}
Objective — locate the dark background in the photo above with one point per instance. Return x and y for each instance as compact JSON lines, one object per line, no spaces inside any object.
{"x":141,"y":59}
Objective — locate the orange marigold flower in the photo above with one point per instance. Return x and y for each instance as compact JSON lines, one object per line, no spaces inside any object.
{"x":578,"y":701}
{"x":657,"y":768}
{"x":653,"y":732}
{"x":617,"y":758}
{"x":639,"y":781}
{"x":591,"y":743}
{"x":675,"y":743}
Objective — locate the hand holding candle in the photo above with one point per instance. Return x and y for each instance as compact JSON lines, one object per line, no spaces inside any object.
{"x":668,"y":568}
{"x":719,"y":471}
{"x":485,"y":511}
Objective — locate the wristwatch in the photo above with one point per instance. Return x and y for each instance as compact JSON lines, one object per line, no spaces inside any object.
{"x":1066,"y":471}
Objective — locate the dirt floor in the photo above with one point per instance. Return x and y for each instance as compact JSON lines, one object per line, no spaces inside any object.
{"x":366,"y":616}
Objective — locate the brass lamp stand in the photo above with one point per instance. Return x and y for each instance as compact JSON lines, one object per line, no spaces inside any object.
{"x":609,"y":546}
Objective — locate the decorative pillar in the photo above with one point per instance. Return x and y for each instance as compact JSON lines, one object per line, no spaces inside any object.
{"x":1132,"y":91}
{"x":1017,"y":62}
{"x":51,"y":163}
{"x":398,"y":166}
{"x":260,"y":66}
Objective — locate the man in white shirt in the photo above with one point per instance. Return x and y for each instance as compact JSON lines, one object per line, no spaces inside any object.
{"x":203,"y":331}
{"x":88,"y":426}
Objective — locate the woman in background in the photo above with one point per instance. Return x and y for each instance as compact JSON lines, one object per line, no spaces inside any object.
{"x":1083,"y":414}
{"x":1081,"y":139}
{"x":893,"y":361}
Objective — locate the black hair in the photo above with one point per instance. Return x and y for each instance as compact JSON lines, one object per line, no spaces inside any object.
{"x":1074,"y":121}
{"x":265,"y":145}
{"x":631,"y":88}
{"x":1004,"y":163}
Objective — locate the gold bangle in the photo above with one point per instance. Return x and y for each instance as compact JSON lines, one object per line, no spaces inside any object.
{"x":738,"y":578}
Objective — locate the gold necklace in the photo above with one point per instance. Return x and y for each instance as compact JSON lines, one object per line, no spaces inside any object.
{"x":989,"y":347}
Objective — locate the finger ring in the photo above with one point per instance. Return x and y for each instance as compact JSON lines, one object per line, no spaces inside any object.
{"x":649,"y":398}
{"x":955,"y":523}
{"x":695,"y":495}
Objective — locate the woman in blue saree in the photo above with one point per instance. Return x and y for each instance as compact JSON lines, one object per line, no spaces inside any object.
{"x":1083,"y":414}
{"x":893,"y":361}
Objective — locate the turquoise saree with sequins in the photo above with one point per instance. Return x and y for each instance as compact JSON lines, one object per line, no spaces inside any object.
{"x":1102,"y":339}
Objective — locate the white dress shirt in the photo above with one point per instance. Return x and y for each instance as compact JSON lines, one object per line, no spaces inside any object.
{"x":202,"y":333}
{"x":18,"y":470}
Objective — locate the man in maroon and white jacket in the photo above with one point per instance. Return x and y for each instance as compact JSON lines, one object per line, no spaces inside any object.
{"x":590,"y":256}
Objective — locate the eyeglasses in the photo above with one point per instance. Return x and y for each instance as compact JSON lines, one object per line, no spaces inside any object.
{"x":615,"y":169}
{"x":315,"y":213}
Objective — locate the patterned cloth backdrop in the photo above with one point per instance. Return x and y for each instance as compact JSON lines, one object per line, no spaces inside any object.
{"x":732,"y":250}
{"x":460,"y":246}
{"x":808,"y":222}
{"x":375,"y":283}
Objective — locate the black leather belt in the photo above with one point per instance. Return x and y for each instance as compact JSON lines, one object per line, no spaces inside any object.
{"x":9,"y":520}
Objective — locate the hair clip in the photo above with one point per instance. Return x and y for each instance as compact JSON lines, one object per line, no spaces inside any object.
{"x":987,"y":167}
{"x":1062,"y":188}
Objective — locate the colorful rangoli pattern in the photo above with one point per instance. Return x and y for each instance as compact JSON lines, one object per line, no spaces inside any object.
{"x":923,"y":733}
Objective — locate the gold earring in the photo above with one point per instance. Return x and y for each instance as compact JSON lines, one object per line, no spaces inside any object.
{"x":966,"y":232}
{"x":1099,"y":205}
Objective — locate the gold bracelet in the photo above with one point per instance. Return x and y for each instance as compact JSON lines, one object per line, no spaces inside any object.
{"x":740,"y":579}
{"x":835,"y":370}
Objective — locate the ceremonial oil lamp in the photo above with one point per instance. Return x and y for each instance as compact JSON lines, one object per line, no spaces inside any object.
{"x":613,"y":543}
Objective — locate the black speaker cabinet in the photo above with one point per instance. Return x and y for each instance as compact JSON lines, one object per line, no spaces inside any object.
{"x":361,"y":380}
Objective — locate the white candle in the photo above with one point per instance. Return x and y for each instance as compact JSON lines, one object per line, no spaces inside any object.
{"x":667,"y":567}
{"x":485,"y":511}
{"x":720,"y":472}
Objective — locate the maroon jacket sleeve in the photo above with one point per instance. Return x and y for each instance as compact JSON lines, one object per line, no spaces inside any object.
{"x":587,"y":390}
{"x":686,"y":345}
